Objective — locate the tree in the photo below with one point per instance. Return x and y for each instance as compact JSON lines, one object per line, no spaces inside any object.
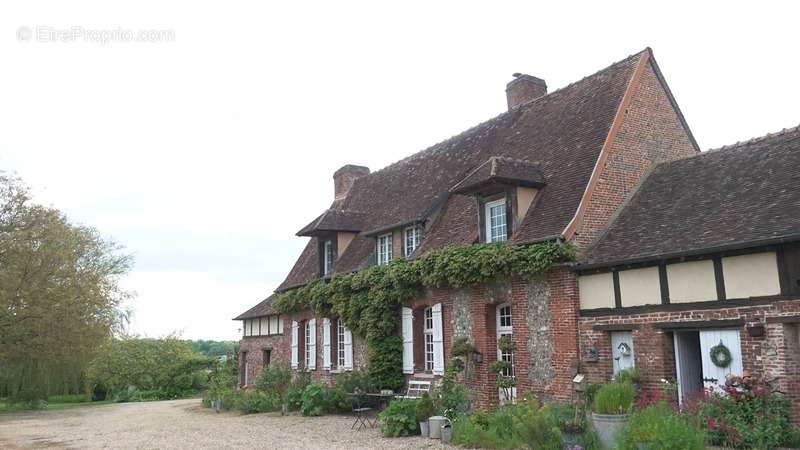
{"x":59,"y":296}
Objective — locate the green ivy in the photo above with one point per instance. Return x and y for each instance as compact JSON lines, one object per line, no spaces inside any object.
{"x":368,"y":300}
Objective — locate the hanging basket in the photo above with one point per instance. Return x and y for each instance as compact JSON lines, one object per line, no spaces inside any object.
{"x":720,"y":355}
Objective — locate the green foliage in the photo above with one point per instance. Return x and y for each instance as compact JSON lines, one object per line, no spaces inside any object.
{"x":60,"y":297}
{"x":452,"y":398}
{"x":399,"y":418}
{"x":314,"y":400}
{"x":214,"y":348}
{"x":165,"y":366}
{"x":425,"y":408}
{"x":355,"y":380}
{"x":659,"y":427}
{"x":747,"y":421}
{"x":631,"y":375}
{"x":73,"y":398}
{"x":385,"y":358}
{"x":294,"y":398}
{"x":338,"y":401}
{"x":524,"y":425}
{"x":368,"y":300}
{"x":614,"y":398}
{"x":275,"y":379}
{"x":462,"y":347}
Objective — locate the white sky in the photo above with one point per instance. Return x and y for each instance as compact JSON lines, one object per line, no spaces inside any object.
{"x":203,"y":156}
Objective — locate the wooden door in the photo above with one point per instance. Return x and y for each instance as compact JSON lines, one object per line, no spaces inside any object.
{"x":713,"y":375}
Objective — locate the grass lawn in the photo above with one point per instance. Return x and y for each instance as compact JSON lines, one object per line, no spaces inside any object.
{"x":55,"y":403}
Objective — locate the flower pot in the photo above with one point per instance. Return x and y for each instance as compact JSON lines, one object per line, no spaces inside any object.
{"x":447,"y":433}
{"x":435,"y":426}
{"x":424,"y":429}
{"x":607,"y":427}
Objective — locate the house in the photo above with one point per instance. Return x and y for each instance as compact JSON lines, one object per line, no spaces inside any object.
{"x":677,"y":250}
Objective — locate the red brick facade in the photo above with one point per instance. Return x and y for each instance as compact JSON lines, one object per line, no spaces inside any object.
{"x":253,"y":350}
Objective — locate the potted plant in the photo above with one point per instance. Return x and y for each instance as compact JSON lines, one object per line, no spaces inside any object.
{"x":423,"y":412}
{"x":610,"y":408}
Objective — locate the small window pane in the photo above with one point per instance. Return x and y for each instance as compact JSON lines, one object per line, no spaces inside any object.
{"x":496,"y":224}
{"x":384,"y":249}
{"x":273,"y":325}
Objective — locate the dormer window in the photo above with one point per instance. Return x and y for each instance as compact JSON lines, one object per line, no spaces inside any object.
{"x":411,"y":238}
{"x":384,"y":249}
{"x":327,"y":257}
{"x":496,"y":223}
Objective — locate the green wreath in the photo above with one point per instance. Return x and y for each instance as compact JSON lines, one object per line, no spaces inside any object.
{"x":720,"y":355}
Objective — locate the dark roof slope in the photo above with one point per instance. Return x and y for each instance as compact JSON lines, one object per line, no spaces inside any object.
{"x":561,"y":134}
{"x":744,"y":194}
{"x":260,"y":310}
{"x":334,"y":220}
{"x":498,"y":170}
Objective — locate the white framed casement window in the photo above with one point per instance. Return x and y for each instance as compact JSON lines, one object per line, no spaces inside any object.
{"x":411,"y":238}
{"x":505,"y":328}
{"x":311,"y":344}
{"x":495,"y":218}
{"x":428,"y":332}
{"x":384,"y":249}
{"x":327,"y":257}
{"x":340,"y":351}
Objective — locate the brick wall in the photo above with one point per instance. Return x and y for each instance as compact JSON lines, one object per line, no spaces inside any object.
{"x":651,"y":132}
{"x":776,"y":354}
{"x":254,"y":348}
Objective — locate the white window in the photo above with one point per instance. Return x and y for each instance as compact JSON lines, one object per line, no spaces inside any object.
{"x":428,"y":331}
{"x":504,"y":329}
{"x":496,"y":229}
{"x":327,"y":257}
{"x":309,"y":351}
{"x":411,"y":239}
{"x":384,"y":249}
{"x":340,"y":329}
{"x":273,"y":325}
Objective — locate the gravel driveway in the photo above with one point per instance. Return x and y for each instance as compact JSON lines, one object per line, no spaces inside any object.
{"x":185,"y":424}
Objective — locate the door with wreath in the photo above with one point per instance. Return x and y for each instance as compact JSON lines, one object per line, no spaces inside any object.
{"x":721,"y":354}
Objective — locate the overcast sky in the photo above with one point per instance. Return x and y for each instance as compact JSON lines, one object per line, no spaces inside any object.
{"x":205,"y":145}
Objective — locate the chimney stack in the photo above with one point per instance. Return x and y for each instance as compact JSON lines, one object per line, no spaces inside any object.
{"x":524,"y":88}
{"x":344,"y":178}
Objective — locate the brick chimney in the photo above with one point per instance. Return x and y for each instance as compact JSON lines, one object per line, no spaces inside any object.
{"x":524,"y":88}
{"x":344,"y":178}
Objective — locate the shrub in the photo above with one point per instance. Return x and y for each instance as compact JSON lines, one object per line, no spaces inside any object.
{"x":614,"y":398}
{"x":462,"y":347}
{"x":250,"y":402}
{"x":523,"y":425}
{"x":749,"y":416}
{"x":294,"y":398}
{"x":386,"y":363}
{"x":355,"y":380}
{"x":275,"y":379}
{"x":631,"y":374}
{"x":75,"y":398}
{"x":338,"y":400}
{"x":425,"y":408}
{"x":452,"y":398}
{"x":399,"y":418}
{"x":314,"y":401}
{"x":659,"y":427}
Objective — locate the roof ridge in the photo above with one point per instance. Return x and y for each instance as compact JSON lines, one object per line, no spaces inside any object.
{"x":765,"y":137}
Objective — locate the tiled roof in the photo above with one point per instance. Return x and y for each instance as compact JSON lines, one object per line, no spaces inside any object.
{"x":260,"y":310}
{"x":561,"y":134}
{"x":499,"y":170}
{"x":741,"y":195}
{"x":334,"y":220}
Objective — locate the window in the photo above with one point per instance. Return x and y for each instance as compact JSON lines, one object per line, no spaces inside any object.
{"x":504,"y":329}
{"x":266,"y":357}
{"x":340,"y":344}
{"x":384,"y":249}
{"x":428,"y":331}
{"x":496,"y":226}
{"x":327,"y":257}
{"x":309,"y":352}
{"x":244,"y":380}
{"x":412,"y":236}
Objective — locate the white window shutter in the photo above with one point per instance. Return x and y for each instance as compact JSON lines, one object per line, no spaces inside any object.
{"x":348,"y":350}
{"x":408,"y":340}
{"x":438,"y":340}
{"x":326,"y":343}
{"x":312,"y":348}
{"x":294,"y":344}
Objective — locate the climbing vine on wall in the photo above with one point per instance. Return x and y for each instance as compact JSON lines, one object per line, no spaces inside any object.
{"x":368,"y":300}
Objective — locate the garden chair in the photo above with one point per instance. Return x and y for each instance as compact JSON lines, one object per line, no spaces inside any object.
{"x":415,"y":389}
{"x":361,"y":412}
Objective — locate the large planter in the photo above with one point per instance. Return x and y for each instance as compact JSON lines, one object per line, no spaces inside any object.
{"x":608,"y":427}
{"x":424,"y":429}
{"x":435,"y":426}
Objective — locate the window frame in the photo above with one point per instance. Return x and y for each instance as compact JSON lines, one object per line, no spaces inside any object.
{"x":427,"y":333}
{"x":307,"y":339}
{"x":416,"y":231}
{"x":340,"y":350}
{"x":327,"y":257}
{"x":487,"y":212}
{"x":505,"y":330}
{"x":384,"y":245}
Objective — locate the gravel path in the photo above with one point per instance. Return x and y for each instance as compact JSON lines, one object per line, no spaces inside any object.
{"x":180,"y":424}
